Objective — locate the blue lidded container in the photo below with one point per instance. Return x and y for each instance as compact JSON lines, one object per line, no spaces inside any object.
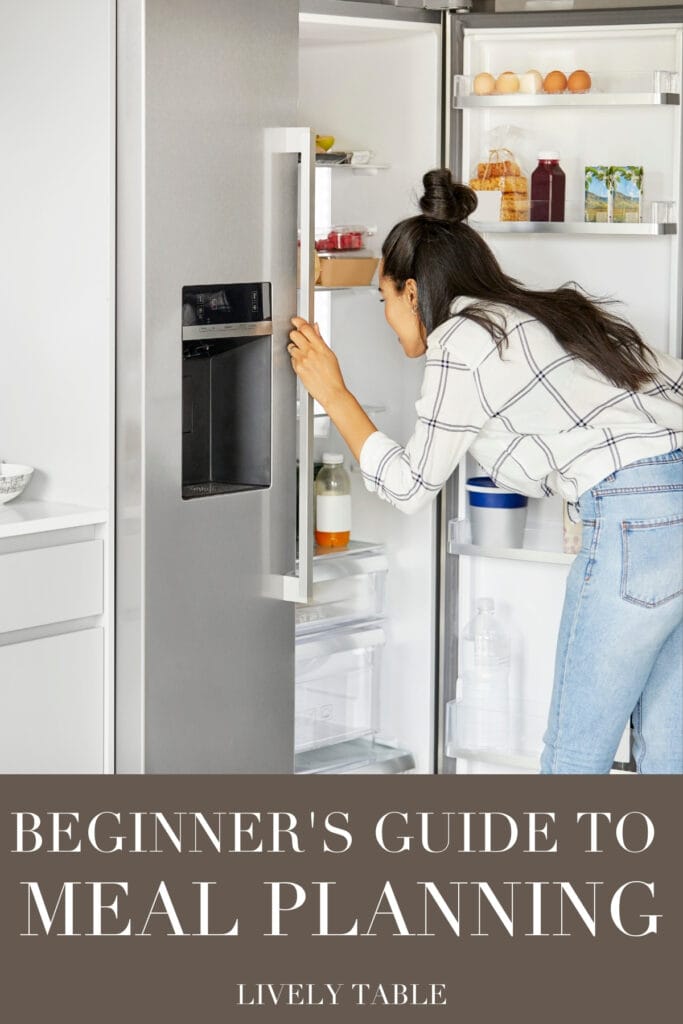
{"x":497,"y":516}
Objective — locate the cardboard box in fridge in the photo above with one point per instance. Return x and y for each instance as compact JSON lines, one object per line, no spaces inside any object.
{"x":347,"y":271}
{"x":627,"y":191}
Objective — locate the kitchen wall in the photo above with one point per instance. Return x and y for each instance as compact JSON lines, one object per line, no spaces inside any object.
{"x":57,"y":245}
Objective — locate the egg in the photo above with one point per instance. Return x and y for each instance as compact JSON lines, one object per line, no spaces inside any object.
{"x":483,"y":84}
{"x":579,"y":81}
{"x":556,"y":81}
{"x":507,"y":82}
{"x":531,"y":81}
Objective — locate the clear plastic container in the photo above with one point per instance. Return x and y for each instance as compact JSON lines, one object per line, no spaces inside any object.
{"x":347,"y":587}
{"x":337,"y":674}
{"x":332,"y":503}
{"x":342,"y":238}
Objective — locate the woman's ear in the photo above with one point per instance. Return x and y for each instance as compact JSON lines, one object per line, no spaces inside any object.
{"x":410,"y":292}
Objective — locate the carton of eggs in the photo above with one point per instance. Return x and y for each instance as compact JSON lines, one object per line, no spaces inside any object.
{"x":530,"y":83}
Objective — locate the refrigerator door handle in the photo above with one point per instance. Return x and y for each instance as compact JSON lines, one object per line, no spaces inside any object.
{"x":298,"y":586}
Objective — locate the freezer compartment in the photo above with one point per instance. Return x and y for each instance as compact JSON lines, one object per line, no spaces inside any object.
{"x":336,"y":685}
{"x":348,"y":586}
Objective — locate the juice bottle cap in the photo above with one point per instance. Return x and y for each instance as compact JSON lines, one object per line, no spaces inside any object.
{"x":548,"y":154}
{"x":332,"y":459}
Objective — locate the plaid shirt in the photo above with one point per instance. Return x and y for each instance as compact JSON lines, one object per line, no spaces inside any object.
{"x":538,"y":420}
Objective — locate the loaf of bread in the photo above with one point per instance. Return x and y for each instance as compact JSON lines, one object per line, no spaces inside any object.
{"x":504,"y":176}
{"x":507,"y":183}
{"x":514,"y":207}
{"x":498,"y":169}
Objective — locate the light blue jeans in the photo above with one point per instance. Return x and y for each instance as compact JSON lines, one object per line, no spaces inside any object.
{"x":620,"y":644}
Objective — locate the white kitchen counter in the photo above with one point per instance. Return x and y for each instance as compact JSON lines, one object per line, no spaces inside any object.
{"x":21,"y":517}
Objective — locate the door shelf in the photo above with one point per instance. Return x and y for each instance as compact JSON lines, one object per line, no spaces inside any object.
{"x":525,"y":227}
{"x":538,"y":546}
{"x":591,"y":99}
{"x":496,"y":757}
{"x":359,"y":756}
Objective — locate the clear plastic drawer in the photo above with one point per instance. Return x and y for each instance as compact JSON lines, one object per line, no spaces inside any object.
{"x":348,"y":587}
{"x":336,"y":677}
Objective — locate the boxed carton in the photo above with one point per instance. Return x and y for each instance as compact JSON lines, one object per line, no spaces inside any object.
{"x":346,"y":271}
{"x":598,"y":199}
{"x":627,"y":192}
{"x":613,"y":194}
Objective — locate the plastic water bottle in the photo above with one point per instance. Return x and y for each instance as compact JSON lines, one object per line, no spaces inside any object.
{"x":483,"y":713}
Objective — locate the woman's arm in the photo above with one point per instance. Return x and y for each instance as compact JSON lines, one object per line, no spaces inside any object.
{"x":449,"y":411}
{"x":317,"y":367}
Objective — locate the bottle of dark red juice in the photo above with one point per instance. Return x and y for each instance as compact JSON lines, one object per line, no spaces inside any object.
{"x":547,"y":188}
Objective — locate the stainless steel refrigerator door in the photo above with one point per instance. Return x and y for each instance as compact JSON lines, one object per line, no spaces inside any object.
{"x":205,"y":661}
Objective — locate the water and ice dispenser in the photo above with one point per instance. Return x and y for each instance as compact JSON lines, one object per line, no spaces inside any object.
{"x":226,"y":405}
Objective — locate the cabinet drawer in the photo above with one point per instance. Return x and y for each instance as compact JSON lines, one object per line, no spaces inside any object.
{"x":51,"y":704}
{"x":51,"y":585}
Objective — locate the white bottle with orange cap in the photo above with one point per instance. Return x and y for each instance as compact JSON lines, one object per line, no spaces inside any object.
{"x":332,"y":503}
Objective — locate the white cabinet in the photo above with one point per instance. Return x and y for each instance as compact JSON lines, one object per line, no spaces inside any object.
{"x":49,"y":585}
{"x":51,"y":704}
{"x":56,"y":699}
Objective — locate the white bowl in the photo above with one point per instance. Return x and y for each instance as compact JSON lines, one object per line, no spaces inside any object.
{"x":13,"y":479}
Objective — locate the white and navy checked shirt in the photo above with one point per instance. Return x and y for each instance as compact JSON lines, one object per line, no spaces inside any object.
{"x":538,"y":420}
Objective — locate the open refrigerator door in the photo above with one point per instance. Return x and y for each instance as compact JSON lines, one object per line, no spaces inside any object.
{"x":370,"y":86}
{"x":512,"y":78}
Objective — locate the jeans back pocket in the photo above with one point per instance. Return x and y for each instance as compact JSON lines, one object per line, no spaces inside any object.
{"x":652,"y":564}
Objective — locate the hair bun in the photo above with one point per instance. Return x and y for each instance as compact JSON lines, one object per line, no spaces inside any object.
{"x":445,"y":199}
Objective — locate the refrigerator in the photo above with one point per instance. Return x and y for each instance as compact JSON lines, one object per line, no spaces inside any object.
{"x":239,"y":649}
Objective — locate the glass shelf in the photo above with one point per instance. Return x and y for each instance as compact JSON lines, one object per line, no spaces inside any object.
{"x":525,"y":227}
{"x":347,"y":288}
{"x":356,"y":168}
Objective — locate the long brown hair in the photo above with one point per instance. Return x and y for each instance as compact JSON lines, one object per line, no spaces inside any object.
{"x":447,"y":258}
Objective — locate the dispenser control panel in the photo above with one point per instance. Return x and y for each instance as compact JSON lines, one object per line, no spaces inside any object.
{"x":226,"y":310}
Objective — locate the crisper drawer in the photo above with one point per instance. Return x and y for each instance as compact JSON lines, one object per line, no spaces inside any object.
{"x":336,"y":680}
{"x":347,"y":587}
{"x":52,"y":704}
{"x":46,"y":585}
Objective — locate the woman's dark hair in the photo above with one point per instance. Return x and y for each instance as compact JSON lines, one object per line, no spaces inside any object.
{"x":447,"y":258}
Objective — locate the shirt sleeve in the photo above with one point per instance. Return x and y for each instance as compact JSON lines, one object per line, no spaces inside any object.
{"x":450,"y":414}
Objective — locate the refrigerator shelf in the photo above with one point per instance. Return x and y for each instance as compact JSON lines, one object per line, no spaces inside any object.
{"x":590,"y":99}
{"x":354,"y":547}
{"x":346,"y":288}
{"x":356,"y":168}
{"x":359,"y":756}
{"x":571,"y":228}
